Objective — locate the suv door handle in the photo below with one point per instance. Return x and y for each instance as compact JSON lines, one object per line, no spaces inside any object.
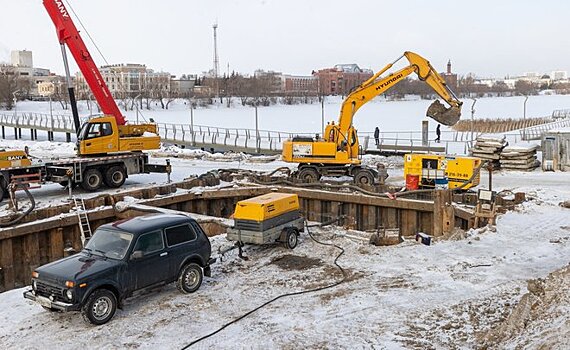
{"x":164,"y":254}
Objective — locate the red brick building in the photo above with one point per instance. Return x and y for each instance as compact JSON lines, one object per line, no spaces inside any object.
{"x":341,"y":79}
{"x":300,"y":84}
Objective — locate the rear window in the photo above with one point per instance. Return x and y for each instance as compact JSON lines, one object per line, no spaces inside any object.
{"x":179,"y":234}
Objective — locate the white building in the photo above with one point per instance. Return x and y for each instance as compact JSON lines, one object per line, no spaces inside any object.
{"x":559,"y":75}
{"x":22,"y":59}
{"x":129,"y":80}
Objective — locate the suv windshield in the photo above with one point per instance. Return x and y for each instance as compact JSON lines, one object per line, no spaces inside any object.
{"x":109,"y":243}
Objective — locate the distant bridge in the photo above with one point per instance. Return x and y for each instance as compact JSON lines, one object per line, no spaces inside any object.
{"x":262,"y":141}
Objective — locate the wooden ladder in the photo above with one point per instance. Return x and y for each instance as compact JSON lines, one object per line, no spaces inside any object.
{"x":84,"y":226}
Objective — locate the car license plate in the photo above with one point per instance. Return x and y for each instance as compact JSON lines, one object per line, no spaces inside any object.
{"x":43,"y":301}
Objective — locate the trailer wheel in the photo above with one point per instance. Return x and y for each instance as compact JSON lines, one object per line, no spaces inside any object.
{"x":308,"y":174}
{"x":291,"y":238}
{"x":92,"y":180}
{"x":115,"y":176}
{"x":364,"y":177}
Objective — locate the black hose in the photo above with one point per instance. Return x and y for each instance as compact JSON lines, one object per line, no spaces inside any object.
{"x":24,"y":214}
{"x":287,"y":294}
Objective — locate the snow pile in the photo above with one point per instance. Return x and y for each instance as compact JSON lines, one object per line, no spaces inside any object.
{"x":519,"y":157}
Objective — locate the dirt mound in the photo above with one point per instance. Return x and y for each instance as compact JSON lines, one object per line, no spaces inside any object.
{"x":295,"y":262}
{"x":540,"y":320}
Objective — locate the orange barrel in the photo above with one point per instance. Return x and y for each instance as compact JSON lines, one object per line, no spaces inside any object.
{"x":412,"y":182}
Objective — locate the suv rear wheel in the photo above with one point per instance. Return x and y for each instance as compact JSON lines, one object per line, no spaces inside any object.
{"x":190,"y":278}
{"x":100,"y":307}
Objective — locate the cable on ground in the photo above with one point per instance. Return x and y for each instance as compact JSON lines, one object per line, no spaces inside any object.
{"x":287,"y":294}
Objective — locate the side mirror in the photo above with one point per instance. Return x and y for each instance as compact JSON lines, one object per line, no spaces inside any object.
{"x":137,"y":254}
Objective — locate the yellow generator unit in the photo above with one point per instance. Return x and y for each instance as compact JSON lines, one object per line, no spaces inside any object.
{"x":269,"y":218}
{"x":436,"y":170}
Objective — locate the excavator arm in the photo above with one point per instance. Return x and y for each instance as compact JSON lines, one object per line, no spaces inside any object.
{"x":377,"y":85}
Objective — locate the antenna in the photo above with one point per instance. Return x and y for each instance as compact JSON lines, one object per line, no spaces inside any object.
{"x":216,"y":59}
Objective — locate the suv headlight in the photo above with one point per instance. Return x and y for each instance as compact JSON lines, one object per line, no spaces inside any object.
{"x":69,"y":294}
{"x":34,"y":287}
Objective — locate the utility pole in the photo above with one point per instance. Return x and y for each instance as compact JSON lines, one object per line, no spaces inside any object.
{"x":472,"y":120}
{"x":216,"y":59}
{"x":524,"y":118}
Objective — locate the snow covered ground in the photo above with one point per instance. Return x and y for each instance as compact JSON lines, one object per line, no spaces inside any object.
{"x":410,"y":296}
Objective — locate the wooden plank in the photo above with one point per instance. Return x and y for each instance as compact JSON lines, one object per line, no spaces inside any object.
{"x":409,"y":225}
{"x":55,"y":244}
{"x":7,"y":264}
{"x":31,"y":256}
{"x":317,"y":209}
{"x":400,"y":203}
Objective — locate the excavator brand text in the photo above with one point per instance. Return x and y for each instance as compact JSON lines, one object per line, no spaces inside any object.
{"x":390,"y":81}
{"x":61,"y":8}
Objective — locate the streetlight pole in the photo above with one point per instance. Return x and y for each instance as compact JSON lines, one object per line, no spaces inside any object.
{"x":524,"y":118}
{"x":15,"y":103}
{"x":323,"y":116}
{"x":257,"y":143}
{"x":472,"y":119}
{"x":137,"y":106}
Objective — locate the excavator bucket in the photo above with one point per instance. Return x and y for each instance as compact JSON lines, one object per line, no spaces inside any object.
{"x":441,"y":114}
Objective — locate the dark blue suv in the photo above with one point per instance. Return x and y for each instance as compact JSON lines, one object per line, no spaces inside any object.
{"x":121,"y":258}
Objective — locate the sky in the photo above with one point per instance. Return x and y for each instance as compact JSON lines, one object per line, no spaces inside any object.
{"x":489,"y":38}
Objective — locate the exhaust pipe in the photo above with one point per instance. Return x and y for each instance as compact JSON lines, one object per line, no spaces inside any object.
{"x":446,"y":116}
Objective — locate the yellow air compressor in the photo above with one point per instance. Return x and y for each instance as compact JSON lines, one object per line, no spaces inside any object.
{"x":269,"y":218}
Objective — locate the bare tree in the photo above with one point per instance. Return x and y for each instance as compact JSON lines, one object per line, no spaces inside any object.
{"x":8,"y":86}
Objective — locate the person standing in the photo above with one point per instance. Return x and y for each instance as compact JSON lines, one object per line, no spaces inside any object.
{"x":377,"y":136}
{"x":438,"y":133}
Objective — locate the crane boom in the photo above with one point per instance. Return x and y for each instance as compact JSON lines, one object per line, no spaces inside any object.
{"x":68,"y":34}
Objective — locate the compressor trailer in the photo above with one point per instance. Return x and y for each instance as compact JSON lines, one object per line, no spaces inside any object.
{"x":269,"y":218}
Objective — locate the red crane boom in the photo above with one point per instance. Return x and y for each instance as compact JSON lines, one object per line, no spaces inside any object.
{"x":68,"y":34}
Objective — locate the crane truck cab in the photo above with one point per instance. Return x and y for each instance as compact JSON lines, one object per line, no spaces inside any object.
{"x":102,"y":135}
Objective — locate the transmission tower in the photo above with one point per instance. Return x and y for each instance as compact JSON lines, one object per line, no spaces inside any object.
{"x":216,"y":59}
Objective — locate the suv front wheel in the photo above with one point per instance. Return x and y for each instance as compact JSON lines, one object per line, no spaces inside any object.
{"x":190,"y":278}
{"x":100,"y":307}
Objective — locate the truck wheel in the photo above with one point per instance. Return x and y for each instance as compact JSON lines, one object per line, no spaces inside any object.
{"x":190,"y":278}
{"x":364,"y":177}
{"x":291,"y":238}
{"x":308,"y":175}
{"x":92,"y":180}
{"x":100,"y":307}
{"x":3,"y":188}
{"x":115,"y":176}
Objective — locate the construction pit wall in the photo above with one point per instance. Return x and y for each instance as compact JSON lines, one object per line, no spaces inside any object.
{"x":31,"y":244}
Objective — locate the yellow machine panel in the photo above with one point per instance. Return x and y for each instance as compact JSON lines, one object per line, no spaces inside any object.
{"x":266,"y":206}
{"x":9,"y":159}
{"x":431,"y":170}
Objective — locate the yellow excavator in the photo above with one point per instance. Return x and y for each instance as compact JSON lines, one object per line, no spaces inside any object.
{"x":338,"y":152}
